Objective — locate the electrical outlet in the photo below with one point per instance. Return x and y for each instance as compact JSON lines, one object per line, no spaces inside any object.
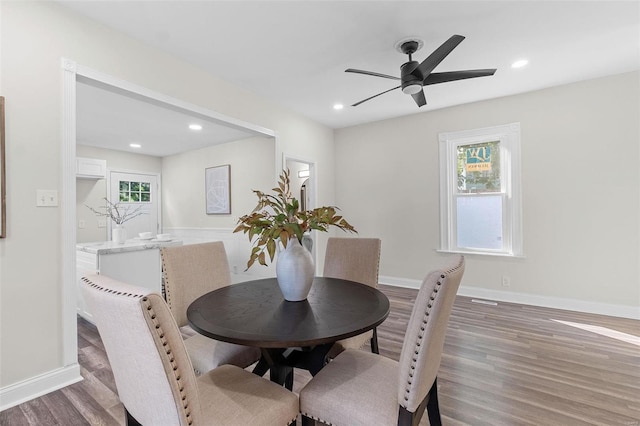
{"x":82,"y":224}
{"x":235,"y":269}
{"x":506,"y":281}
{"x":102,"y":223}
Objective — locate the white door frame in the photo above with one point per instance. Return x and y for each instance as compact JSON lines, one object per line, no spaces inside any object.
{"x":70,"y":72}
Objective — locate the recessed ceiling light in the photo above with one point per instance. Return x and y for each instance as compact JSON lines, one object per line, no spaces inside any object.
{"x":338,"y":106}
{"x":519,"y":64}
{"x":135,"y":145}
{"x":195,"y":127}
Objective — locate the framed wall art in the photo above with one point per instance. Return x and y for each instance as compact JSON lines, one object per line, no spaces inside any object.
{"x":218,"y":189}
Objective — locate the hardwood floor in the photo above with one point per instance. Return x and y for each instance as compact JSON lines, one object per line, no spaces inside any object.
{"x":503,"y":364}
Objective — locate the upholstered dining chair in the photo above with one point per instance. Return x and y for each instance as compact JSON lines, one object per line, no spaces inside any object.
{"x":189,"y":271}
{"x":354,"y":259}
{"x":361,"y":388}
{"x":154,"y":377}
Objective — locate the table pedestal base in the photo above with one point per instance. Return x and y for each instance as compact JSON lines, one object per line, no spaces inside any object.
{"x":280,"y":362}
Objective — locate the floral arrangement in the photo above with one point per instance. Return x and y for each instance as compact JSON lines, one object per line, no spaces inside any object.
{"x":278,"y":217}
{"x":117,"y":213}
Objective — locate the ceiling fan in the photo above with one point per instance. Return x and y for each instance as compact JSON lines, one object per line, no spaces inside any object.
{"x":414,"y":75}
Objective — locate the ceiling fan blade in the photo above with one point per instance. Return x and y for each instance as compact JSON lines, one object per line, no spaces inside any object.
{"x":375,"y":74}
{"x":374,"y":96}
{"x":432,"y":61}
{"x":443,"y":77}
{"x":419,"y":98}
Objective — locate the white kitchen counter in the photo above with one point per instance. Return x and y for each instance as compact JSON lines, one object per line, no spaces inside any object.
{"x":109,"y":247}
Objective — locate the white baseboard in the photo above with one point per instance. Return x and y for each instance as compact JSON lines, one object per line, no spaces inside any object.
{"x":623,"y":311}
{"x":400,"y":282}
{"x":35,"y":387}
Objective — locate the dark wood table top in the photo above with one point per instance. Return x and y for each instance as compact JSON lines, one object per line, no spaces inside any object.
{"x":254,"y":313}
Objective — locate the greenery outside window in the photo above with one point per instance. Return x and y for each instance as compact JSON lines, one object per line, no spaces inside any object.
{"x":135,"y":192}
{"x":480,"y":202}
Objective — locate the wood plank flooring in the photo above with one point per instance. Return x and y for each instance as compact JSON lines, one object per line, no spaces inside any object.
{"x":502,"y":365}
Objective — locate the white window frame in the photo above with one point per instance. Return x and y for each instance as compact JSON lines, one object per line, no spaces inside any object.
{"x":509,"y":137}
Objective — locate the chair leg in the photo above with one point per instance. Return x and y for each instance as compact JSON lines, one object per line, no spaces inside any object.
{"x":288,"y":381}
{"x":261,"y":367}
{"x":408,"y":418}
{"x":307,"y":421}
{"x":131,"y":421}
{"x":374,"y":342}
{"x":433,"y":409}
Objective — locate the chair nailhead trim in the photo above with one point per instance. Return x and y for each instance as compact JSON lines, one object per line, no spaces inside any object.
{"x":315,"y":418}
{"x":171,"y":358}
{"x":167,"y":282}
{"x":425,"y":320}
{"x":106,"y":290}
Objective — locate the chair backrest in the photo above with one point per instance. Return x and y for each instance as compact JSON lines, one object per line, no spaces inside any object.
{"x":424,"y":339}
{"x":191,"y":271}
{"x":354,"y":259}
{"x":153,"y":373}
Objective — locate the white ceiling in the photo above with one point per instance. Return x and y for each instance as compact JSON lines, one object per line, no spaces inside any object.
{"x":110,"y":118}
{"x":295,"y":52}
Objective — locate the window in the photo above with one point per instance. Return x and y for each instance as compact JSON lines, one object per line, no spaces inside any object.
{"x":135,"y":192}
{"x":480,"y":207}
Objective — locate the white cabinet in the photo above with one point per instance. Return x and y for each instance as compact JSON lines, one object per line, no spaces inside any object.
{"x":91,"y":168}
{"x":86,"y":264}
{"x":135,"y":263}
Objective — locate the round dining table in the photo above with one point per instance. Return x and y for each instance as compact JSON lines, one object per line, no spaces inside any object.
{"x":289,"y":334}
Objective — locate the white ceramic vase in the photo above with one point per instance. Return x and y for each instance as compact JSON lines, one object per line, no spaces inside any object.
{"x":119,"y":234}
{"x":295,"y":271}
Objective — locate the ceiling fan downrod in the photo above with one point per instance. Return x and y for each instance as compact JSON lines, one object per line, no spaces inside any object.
{"x":411,"y":84}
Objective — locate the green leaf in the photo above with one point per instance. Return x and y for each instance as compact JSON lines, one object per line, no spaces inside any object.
{"x":271,"y":248}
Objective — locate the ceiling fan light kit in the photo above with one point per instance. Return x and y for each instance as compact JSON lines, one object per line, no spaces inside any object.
{"x":414,"y":76}
{"x":412,"y":89}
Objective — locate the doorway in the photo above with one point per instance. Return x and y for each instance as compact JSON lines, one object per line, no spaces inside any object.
{"x":137,"y":191}
{"x":302,"y":175}
{"x":72,"y":73}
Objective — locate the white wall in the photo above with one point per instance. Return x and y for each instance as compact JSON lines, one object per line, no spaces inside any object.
{"x":252,"y":167}
{"x":581,"y":187}
{"x":34,"y":36}
{"x":91,"y":192}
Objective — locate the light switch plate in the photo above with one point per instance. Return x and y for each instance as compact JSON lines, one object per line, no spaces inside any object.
{"x":46,"y":198}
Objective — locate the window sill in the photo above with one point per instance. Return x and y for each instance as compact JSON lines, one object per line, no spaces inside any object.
{"x":482,"y":253}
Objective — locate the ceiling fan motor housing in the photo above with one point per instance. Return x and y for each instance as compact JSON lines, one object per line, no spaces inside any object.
{"x":410,"y":83}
